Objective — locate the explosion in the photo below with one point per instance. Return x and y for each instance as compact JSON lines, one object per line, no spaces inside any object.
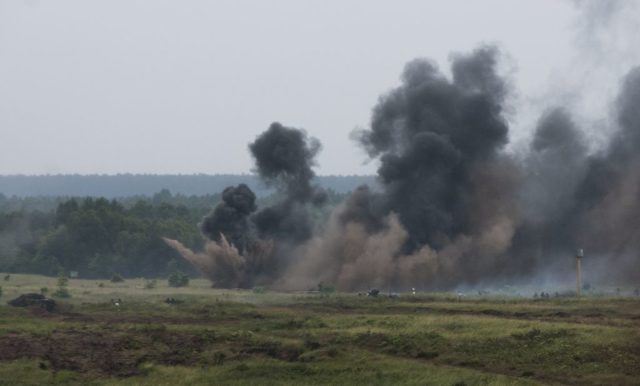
{"x":454,"y":207}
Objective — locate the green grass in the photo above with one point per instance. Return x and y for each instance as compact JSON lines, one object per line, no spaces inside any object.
{"x":234,"y":337}
{"x":362,"y":369}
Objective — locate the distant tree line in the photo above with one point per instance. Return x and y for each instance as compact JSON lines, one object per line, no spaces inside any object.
{"x":98,"y":237}
{"x":127,"y":185}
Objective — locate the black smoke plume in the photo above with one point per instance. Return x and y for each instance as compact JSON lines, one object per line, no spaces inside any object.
{"x":447,"y":207}
{"x":431,"y":133}
{"x":454,"y":207}
{"x":248,"y":247}
{"x":231,"y":217}
{"x":284,"y":158}
{"x":608,"y":198}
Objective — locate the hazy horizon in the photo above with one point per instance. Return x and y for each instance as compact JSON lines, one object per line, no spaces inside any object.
{"x":166,"y":174}
{"x":162,"y":87}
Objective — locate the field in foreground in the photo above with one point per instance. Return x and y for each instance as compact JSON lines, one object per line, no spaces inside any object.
{"x":221,"y":337}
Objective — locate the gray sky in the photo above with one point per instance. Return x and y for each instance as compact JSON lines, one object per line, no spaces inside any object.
{"x":182,"y":86}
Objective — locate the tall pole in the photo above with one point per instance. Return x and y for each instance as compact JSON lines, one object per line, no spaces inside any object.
{"x":579,"y":256}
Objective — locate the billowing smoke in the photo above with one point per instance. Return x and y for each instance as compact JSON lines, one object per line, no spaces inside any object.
{"x":453,"y":206}
{"x":247,"y":246}
{"x":284,"y":158}
{"x":432,"y":136}
{"x":609,"y":195}
{"x":231,"y":217}
{"x":570,"y":198}
{"x":447,"y":208}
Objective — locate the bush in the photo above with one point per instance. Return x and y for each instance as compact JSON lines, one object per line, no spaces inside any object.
{"x":62,"y":291}
{"x":7,"y":277}
{"x":178,"y":279}
{"x":326,"y":288}
{"x":44,"y":291}
{"x":150,"y":284}
{"x":0,"y":292}
{"x":258,"y":290}
{"x":117,"y":278}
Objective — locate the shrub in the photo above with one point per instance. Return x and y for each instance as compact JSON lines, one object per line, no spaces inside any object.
{"x":150,"y":284}
{"x":258,"y":290}
{"x":63,"y":281}
{"x":44,"y":291}
{"x":178,"y":279}
{"x":62,"y":291}
{"x":7,"y":277}
{"x":117,"y":278}
{"x":0,"y":292}
{"x":326,"y":288}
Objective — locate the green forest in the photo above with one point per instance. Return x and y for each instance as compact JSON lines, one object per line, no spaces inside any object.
{"x":100,"y":237}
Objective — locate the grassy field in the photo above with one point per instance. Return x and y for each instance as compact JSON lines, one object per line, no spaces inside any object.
{"x":224,"y":337}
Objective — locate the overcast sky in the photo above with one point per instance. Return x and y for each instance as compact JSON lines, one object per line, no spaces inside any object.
{"x":156,"y":86}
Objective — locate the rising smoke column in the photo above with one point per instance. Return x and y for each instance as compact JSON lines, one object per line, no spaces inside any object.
{"x":550,"y":173}
{"x":233,"y":256}
{"x":571,"y":198}
{"x":448,"y":195}
{"x":246,"y":247}
{"x":453,"y":208}
{"x":608,"y":199}
{"x":430,"y":133}
{"x":231,"y":217}
{"x":284,"y":158}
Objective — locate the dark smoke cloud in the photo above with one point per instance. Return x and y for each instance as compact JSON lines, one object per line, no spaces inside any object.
{"x":284,"y":158}
{"x":429,"y":134}
{"x":453,"y":208}
{"x":610,"y":192}
{"x":249,"y":246}
{"x":625,"y":143}
{"x":553,"y":168}
{"x":447,"y":206}
{"x":363,"y":207}
{"x":572,"y":199}
{"x":231,"y":217}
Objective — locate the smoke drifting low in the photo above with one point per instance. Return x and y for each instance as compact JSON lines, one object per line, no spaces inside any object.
{"x":454,"y":207}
